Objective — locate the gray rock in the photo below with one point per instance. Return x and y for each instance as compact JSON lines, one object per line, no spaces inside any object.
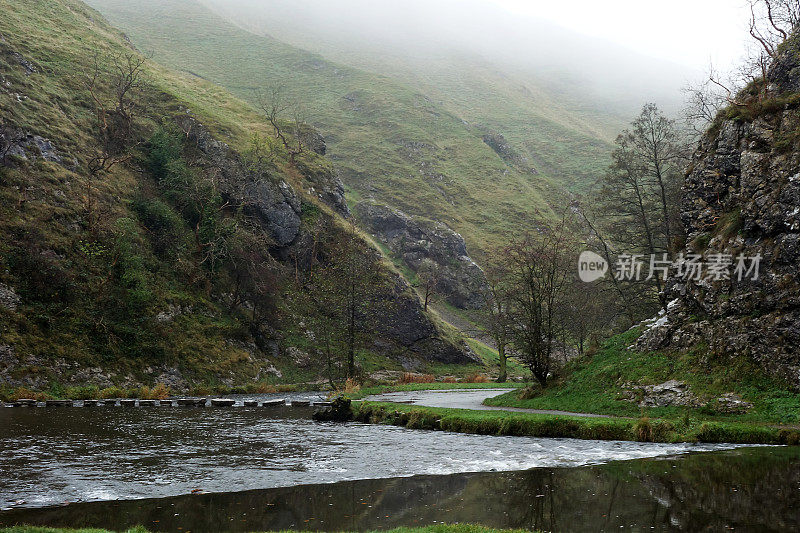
{"x":270,"y":200}
{"x":299,"y":357}
{"x":8,"y":298}
{"x":58,"y":403}
{"x":192,"y":402}
{"x":423,"y":245}
{"x":742,"y":196}
{"x":731,"y":403}
{"x":669,"y":393}
{"x":251,"y":403}
{"x":26,"y":64}
{"x":274,"y":403}
{"x":222,"y":402}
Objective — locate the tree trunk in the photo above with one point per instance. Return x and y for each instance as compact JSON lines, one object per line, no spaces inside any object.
{"x":501,"y":352}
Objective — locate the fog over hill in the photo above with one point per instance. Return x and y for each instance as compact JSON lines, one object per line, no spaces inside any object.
{"x":421,"y":42}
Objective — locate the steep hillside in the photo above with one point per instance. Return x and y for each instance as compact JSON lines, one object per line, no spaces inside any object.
{"x":742,"y":199}
{"x":391,"y":143}
{"x":558,"y":97}
{"x":153,"y":230}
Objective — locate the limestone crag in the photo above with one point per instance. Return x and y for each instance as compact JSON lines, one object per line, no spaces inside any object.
{"x":742,"y":198}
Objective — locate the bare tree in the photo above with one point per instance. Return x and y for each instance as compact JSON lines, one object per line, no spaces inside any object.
{"x":276,"y":107}
{"x":344,"y":290}
{"x":771,"y":23}
{"x":114,"y":93}
{"x":497,"y":311}
{"x":539,"y":266}
{"x":429,"y":275}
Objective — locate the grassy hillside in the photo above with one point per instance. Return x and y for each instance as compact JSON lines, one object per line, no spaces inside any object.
{"x":157,"y":269}
{"x":565,"y":137}
{"x":389,"y":141}
{"x":598,"y":383}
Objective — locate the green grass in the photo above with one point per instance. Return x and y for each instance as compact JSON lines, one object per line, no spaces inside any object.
{"x":558,"y":426}
{"x":77,"y":301}
{"x":594,"y":384}
{"x":391,"y":140}
{"x":440,"y":528}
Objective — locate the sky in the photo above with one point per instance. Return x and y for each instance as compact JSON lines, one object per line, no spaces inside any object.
{"x":688,"y":32}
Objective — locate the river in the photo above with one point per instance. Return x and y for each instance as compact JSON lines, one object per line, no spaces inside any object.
{"x":266,"y":468}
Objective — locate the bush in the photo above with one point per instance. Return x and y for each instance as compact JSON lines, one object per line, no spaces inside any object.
{"x":476,"y":378}
{"x":21,"y":393}
{"x":164,"y":225}
{"x":410,"y":377}
{"x":112,"y":392}
{"x":89,"y":392}
{"x":159,"y":392}
{"x":643,"y":430}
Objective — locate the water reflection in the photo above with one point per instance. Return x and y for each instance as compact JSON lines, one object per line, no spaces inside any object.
{"x":52,"y":456}
{"x":749,"y":489}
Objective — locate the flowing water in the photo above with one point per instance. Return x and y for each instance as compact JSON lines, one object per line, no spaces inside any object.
{"x":137,"y":466}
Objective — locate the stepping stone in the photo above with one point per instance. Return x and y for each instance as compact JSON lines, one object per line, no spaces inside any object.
{"x":322,"y":404}
{"x":222,"y":402}
{"x":274,"y":403}
{"x":58,"y":403}
{"x":165,"y":403}
{"x":26,"y":402}
{"x":147,"y":403}
{"x":127,"y":403}
{"x":90,"y":403}
{"x":192,"y":402}
{"x":301,"y":403}
{"x":251,"y":403}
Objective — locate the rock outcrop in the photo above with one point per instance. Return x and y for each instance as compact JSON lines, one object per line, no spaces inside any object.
{"x":742,"y":200}
{"x":266,"y":197}
{"x":425,"y":244}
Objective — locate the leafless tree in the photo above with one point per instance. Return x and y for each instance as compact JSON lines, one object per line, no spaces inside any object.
{"x":497,"y":314}
{"x":540,"y":266}
{"x":429,"y":276}
{"x":276,"y":107}
{"x":115,"y":95}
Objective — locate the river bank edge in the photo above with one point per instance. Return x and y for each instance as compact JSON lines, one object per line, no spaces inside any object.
{"x":506,"y":423}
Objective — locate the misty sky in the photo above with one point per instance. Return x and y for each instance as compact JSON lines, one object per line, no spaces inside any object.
{"x":690,"y":32}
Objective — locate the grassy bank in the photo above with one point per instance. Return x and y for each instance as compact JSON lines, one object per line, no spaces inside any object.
{"x":687,"y":429}
{"x":599,"y":383}
{"x":441,"y":528}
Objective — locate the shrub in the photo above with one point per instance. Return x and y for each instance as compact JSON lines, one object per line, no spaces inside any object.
{"x":476,"y":378}
{"x":21,"y":392}
{"x":164,"y":225}
{"x":112,"y":392}
{"x":643,"y":430}
{"x":89,"y":392}
{"x":351,"y":386}
{"x":159,"y":392}
{"x":410,"y":377}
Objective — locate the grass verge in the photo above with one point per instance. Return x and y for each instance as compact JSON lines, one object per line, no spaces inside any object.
{"x":602,"y":383}
{"x":544,"y":425}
